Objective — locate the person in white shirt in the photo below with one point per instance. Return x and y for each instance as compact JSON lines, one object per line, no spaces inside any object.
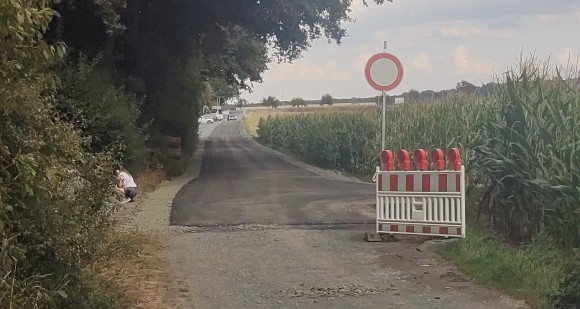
{"x":126,"y":188}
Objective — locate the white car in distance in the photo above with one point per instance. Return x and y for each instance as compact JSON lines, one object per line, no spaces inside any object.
{"x":207,"y":119}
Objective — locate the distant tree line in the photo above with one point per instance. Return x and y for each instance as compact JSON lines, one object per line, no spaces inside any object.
{"x":411,"y":96}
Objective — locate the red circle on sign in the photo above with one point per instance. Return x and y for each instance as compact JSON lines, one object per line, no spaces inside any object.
{"x":397,"y":63}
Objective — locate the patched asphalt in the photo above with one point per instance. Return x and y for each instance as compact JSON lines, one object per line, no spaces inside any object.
{"x":243,"y":183}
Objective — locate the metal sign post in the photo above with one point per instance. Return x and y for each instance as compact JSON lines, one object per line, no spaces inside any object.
{"x":384,"y":72}
{"x":383,"y":122}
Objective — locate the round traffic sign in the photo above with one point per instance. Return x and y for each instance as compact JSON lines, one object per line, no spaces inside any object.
{"x":384,"y":72}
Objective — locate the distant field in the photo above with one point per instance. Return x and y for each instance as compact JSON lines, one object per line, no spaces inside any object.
{"x":252,"y":116}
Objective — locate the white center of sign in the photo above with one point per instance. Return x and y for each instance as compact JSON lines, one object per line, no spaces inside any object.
{"x":384,"y":72}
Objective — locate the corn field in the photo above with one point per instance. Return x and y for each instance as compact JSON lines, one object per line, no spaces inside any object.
{"x":522,"y":144}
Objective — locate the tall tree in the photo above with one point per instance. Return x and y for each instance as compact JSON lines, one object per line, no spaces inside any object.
{"x":167,"y":50}
{"x":326,"y":100}
{"x":413,"y":96}
{"x":466,"y":87}
{"x":271,"y":102}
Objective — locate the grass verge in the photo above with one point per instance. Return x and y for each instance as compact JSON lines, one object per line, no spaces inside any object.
{"x":531,"y":272}
{"x":128,"y":271}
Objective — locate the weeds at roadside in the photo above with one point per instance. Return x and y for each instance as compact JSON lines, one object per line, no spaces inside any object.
{"x":127,"y":263}
{"x":531,"y":272}
{"x":149,"y":180}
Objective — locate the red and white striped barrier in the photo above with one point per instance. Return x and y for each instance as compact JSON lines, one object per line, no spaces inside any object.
{"x":420,"y":197}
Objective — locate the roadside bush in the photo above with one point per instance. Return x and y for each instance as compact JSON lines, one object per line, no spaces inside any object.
{"x":568,"y":294}
{"x":51,"y":201}
{"x":105,"y":114}
{"x":52,"y":208}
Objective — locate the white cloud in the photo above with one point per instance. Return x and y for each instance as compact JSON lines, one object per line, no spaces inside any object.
{"x":438,"y":42}
{"x":361,"y":61}
{"x":334,"y":71}
{"x":359,"y":10}
{"x":463,"y":64}
{"x":422,"y":62}
{"x":469,"y":31}
{"x":551,"y":18}
{"x":304,"y":70}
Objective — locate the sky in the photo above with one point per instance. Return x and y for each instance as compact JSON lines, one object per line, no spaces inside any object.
{"x":439,"y":43}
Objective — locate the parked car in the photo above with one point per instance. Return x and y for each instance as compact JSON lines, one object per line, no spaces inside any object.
{"x":232,"y":116}
{"x":218,"y":116}
{"x":206,"y":119}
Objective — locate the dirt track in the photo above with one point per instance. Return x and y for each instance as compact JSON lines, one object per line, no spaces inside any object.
{"x":259,"y":230}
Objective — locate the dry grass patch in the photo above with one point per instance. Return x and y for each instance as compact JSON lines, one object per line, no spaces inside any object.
{"x":252,"y":118}
{"x":130,"y":262}
{"x":148,"y":180}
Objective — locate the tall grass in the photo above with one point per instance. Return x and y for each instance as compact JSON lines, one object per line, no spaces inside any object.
{"x":531,"y":272}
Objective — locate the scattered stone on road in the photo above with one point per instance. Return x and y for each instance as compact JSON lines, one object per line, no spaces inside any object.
{"x":335,"y":291}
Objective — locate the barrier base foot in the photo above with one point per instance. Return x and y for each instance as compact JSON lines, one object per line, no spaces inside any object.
{"x":389,"y":238}
{"x":376,"y":237}
{"x":373,"y":237}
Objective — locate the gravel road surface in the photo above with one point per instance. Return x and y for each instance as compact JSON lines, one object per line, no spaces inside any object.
{"x":257,"y":229}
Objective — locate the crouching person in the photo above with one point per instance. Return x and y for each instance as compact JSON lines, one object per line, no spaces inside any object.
{"x":126,"y":188}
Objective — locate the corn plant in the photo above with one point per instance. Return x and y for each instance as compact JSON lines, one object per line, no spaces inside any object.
{"x":529,"y":151}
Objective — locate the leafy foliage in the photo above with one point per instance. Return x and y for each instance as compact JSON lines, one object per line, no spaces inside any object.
{"x":52,"y":207}
{"x":22,"y":47}
{"x":413,"y":96}
{"x":271,"y":101}
{"x":297,"y":102}
{"x":326,"y":100}
{"x":241,"y":103}
{"x":105,"y":114}
{"x":568,"y":293}
{"x":466,"y":87}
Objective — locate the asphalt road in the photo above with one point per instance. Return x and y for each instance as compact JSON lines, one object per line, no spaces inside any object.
{"x":264,"y":232}
{"x":242,"y":183}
